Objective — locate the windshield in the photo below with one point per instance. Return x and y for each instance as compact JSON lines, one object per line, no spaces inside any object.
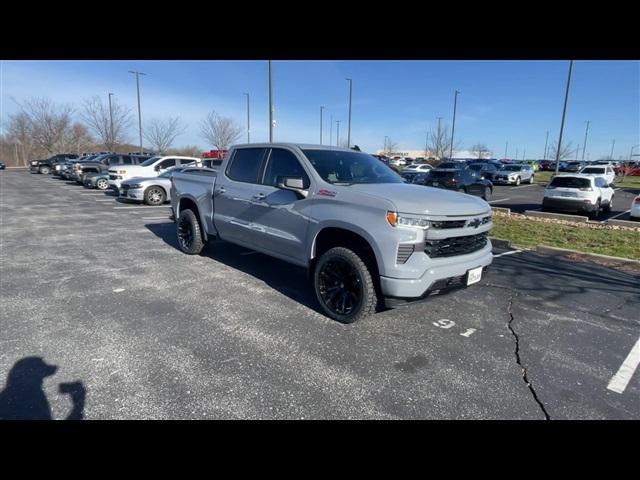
{"x":151,"y":161}
{"x":512,"y":168}
{"x":570,"y":182}
{"x":592,"y":170}
{"x":171,"y":171}
{"x":476,"y":167}
{"x":346,"y":168}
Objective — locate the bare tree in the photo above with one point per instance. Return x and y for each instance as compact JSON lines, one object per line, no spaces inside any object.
{"x":77,"y":139}
{"x":439,"y":141}
{"x":95,"y":113}
{"x":481,"y":150}
{"x":47,"y":122}
{"x":221,"y":132}
{"x":565,"y":151}
{"x":162,"y":133}
{"x":19,"y":133}
{"x":188,"y":151}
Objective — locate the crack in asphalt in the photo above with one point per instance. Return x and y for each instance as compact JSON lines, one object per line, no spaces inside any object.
{"x":519,"y":360}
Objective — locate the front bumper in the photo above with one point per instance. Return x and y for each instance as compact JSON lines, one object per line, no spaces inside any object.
{"x":505,"y":181}
{"x":132,"y":194}
{"x":568,"y":204}
{"x":115,"y":184}
{"x":635,"y":211}
{"x":412,"y":289}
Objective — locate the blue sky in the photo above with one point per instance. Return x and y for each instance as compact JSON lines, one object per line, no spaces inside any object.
{"x":514,"y":101}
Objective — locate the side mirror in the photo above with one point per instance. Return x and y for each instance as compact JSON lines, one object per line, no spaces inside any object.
{"x":295,"y":184}
{"x":157,"y":168}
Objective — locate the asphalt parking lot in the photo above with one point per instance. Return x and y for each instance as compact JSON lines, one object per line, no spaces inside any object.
{"x":99,"y":289}
{"x":529,"y":197}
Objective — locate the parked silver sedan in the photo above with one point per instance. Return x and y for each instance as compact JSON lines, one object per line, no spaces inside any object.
{"x":513,"y":175}
{"x":153,"y":191}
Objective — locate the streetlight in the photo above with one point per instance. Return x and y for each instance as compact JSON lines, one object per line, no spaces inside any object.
{"x":613,"y":144}
{"x":139,"y":111}
{"x":631,"y":152}
{"x":564,"y":111}
{"x":338,"y":133}
{"x":321,"y":108}
{"x":349,"y":127}
{"x":331,"y":129}
{"x":506,"y":146}
{"x":111,"y":120}
{"x":546,"y":141}
{"x":270,"y":106}
{"x":248,"y":121}
{"x":584,"y":145}
{"x":453,"y":127}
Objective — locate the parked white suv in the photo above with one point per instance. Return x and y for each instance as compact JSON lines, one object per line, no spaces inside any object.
{"x":605,"y":171}
{"x":578,"y":193}
{"x":149,"y":168}
{"x":418,"y":167}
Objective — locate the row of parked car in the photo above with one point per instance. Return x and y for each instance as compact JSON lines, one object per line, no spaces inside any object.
{"x":137,"y":177}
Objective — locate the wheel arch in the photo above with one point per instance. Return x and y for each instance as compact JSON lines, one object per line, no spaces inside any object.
{"x":187,"y":202}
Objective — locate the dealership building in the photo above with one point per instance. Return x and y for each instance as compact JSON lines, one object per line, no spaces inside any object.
{"x":457,"y":154}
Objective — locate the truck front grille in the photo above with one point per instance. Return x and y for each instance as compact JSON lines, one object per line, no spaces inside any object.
{"x":448,"y":224}
{"x":404,"y":252}
{"x":453,"y":246}
{"x":113,"y":177}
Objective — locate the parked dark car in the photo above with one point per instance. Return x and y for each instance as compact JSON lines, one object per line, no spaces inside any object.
{"x":415,"y":177}
{"x":2,"y":166}
{"x":462,"y":180}
{"x":574,"y":166}
{"x":46,"y":166}
{"x":102,"y":163}
{"x":486,"y":170}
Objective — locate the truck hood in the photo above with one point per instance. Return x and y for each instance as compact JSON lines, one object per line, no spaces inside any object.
{"x":133,"y":170}
{"x":423,"y":200}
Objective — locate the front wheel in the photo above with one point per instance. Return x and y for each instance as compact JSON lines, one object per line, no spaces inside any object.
{"x":518,"y":181}
{"x":154,"y":196}
{"x":344,"y":286}
{"x":189,"y":233}
{"x":596,"y":213}
{"x":102,"y":184}
{"x":45,"y":170}
{"x":609,"y":206}
{"x":487,"y":194}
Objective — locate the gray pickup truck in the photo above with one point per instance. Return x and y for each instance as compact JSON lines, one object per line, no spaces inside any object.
{"x":366,"y":236}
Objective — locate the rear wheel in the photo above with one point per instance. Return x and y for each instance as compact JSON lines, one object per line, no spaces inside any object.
{"x":518,"y":180}
{"x":344,"y":285}
{"x":609,"y":206}
{"x":189,"y":233}
{"x":154,"y":196}
{"x":530,"y":179}
{"x":102,"y":184}
{"x":44,"y":170}
{"x":596,"y":213}
{"x":487,"y":194}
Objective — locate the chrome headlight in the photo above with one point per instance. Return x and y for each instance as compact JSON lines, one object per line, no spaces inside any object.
{"x":404,"y":220}
{"x":135,"y":185}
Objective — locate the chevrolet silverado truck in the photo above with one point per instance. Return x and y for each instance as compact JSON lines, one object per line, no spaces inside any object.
{"x":46,"y":166}
{"x":366,"y":236}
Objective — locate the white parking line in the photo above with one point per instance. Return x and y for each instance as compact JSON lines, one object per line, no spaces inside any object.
{"x":501,"y":200}
{"x":507,"y":253}
{"x":621,"y":379}
{"x":143,"y":206}
{"x":523,"y":186}
{"x":618,"y":215}
{"x":155,"y":218}
{"x":105,"y":200}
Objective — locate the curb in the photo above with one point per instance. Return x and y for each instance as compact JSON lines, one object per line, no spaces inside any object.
{"x":501,"y":210}
{"x":556,"y":216}
{"x":554,"y":251}
{"x":624,"y":223}
{"x":498,"y":242}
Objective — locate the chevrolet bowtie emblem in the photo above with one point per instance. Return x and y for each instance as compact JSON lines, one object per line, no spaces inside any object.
{"x":475,"y":223}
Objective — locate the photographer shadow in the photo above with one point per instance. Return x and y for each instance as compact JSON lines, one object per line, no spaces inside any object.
{"x":24,"y":399}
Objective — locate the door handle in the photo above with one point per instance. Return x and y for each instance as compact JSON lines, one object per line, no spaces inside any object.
{"x":220,"y":190}
{"x":259,"y":196}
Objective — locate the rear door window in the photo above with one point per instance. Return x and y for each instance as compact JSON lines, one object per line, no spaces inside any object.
{"x":245,"y":165}
{"x":167,"y":163}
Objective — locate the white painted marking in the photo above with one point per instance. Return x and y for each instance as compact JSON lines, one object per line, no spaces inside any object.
{"x":621,"y":379}
{"x":507,"y":253}
{"x":145,"y":206}
{"x":468,"y":333}
{"x":118,"y":290}
{"x":93,"y":193}
{"x":105,"y":200}
{"x":501,"y":200}
{"x":444,"y":323}
{"x":156,"y":218}
{"x":523,"y":186}
{"x":618,"y":215}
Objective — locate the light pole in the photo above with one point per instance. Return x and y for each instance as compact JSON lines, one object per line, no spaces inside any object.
{"x":577,"y":152}
{"x":349,"y":125}
{"x":331,"y":129}
{"x":139,"y":111}
{"x":546,"y":141}
{"x":321,"y":109}
{"x":516,"y":154}
{"x":586,"y":132}
{"x":631,"y":152}
{"x":385,"y":145}
{"x":453,"y":126}
{"x":506,"y":146}
{"x":338,"y":133}
{"x":613,"y":144}
{"x":270,"y":106}
{"x":111,"y":120}
{"x":248,"y":120}
{"x":564,"y":111}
